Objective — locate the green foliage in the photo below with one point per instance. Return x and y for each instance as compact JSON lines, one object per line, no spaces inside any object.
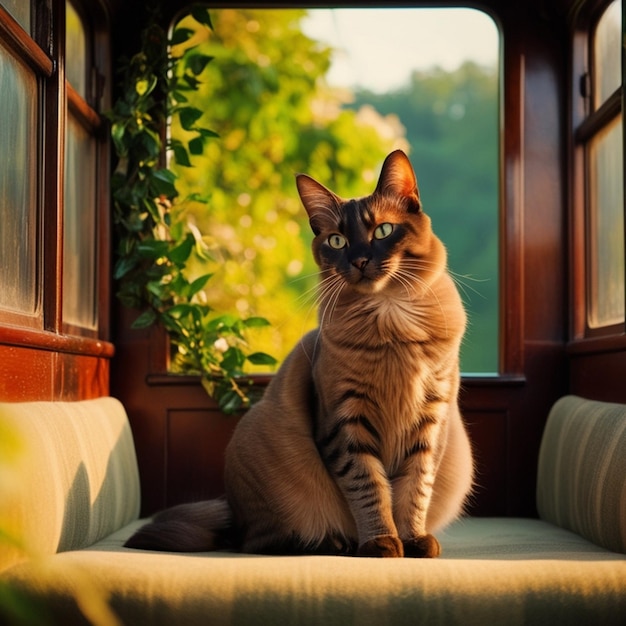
{"x":276,"y":117}
{"x":156,"y":241}
{"x":451,"y":121}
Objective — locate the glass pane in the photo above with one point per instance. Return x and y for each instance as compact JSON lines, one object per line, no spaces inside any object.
{"x":18,"y":186}
{"x":606,"y":304}
{"x":75,"y":51}
{"x":306,"y":91}
{"x":608,"y":53}
{"x":79,"y":228}
{"x":20,"y":10}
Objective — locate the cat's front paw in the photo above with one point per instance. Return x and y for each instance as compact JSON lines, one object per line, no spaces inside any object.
{"x":424,"y":546}
{"x":384,"y":546}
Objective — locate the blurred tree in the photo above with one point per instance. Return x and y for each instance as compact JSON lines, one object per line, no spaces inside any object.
{"x":452,"y":126}
{"x":265,"y":96}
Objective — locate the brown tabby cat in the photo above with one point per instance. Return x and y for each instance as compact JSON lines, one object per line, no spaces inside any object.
{"x":357,"y":445}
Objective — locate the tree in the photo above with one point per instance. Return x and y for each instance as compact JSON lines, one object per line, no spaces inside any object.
{"x":451,"y":121}
{"x":265,"y":96}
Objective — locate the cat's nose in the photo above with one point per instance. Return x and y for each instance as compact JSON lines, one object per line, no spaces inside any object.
{"x":360,"y":263}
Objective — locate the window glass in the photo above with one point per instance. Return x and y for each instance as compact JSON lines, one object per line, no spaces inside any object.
{"x":606,"y":304}
{"x":79,"y":228}
{"x":18,"y":186}
{"x":75,"y":51}
{"x":306,"y":91}
{"x":608,"y":53}
{"x":20,"y":10}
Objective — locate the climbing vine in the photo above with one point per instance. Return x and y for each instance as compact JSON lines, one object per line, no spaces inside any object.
{"x":155,"y":238}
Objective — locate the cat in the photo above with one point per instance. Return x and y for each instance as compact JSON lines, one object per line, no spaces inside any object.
{"x":357,"y":446}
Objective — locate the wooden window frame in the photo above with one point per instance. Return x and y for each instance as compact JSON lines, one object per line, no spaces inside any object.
{"x":586,"y":123}
{"x":42,"y":51}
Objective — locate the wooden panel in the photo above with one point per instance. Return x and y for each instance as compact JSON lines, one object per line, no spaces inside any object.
{"x":488,"y":432}
{"x":599,"y":375}
{"x":195,"y":444}
{"x":28,"y":374}
{"x":505,"y":415}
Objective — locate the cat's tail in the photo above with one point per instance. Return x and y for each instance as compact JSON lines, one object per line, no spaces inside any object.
{"x":194,"y":527}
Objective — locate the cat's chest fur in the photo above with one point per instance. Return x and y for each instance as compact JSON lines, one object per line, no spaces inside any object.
{"x":387,"y":358}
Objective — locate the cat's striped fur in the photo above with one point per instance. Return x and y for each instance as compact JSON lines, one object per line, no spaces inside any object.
{"x":357,"y":446}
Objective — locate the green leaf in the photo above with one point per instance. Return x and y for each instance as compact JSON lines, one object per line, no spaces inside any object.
{"x":118,"y":130}
{"x":189,"y":116}
{"x":197,"y":62}
{"x":201,"y":15}
{"x":233,"y":360}
{"x":180,"y":154}
{"x":180,"y":310}
{"x":206,"y":133}
{"x":261,"y":358}
{"x":181,"y":253}
{"x":230,"y":402}
{"x":162,"y":183}
{"x":255,"y":322}
{"x":152,"y":249}
{"x":147,"y":318}
{"x":181,"y":35}
{"x":124,"y":265}
{"x":196,"y":145}
{"x":198,"y":284}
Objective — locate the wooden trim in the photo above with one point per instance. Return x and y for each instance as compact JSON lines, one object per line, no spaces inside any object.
{"x":598,"y":345}
{"x":91,"y":121}
{"x":597,"y":120}
{"x":511,"y":219}
{"x":23,"y":45}
{"x":23,"y":337}
{"x":53,"y":154}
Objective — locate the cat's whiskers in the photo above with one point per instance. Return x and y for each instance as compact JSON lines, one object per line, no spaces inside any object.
{"x":406,"y":277}
{"x":458,"y":279}
{"x":328,"y":300}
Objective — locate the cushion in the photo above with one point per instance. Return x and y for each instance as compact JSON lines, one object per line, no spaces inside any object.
{"x":581,"y":482}
{"x":492,"y":571}
{"x":73,"y":478}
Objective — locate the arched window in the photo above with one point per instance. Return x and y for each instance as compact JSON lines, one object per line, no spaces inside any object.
{"x":293,"y":90}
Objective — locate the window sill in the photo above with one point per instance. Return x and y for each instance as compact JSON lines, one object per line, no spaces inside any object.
{"x":42,"y":340}
{"x":597,"y":345}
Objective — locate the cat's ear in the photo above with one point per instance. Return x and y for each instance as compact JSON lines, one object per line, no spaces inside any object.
{"x":320,"y":203}
{"x":398,"y":178}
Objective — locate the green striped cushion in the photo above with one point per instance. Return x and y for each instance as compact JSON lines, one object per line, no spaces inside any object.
{"x":581,"y":483}
{"x":72,"y":479}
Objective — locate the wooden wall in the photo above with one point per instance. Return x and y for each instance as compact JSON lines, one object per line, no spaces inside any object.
{"x":179,"y":433}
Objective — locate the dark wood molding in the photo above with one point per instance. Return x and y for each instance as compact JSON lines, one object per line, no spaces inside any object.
{"x":23,"y":45}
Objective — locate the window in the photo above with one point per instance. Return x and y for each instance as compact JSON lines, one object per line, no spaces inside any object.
{"x":22,"y":66}
{"x":19,"y":250}
{"x":49,"y":250}
{"x":80,"y":203}
{"x":304,"y":90}
{"x":599,"y":138}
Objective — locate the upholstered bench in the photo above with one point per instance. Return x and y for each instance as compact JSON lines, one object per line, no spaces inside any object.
{"x":72,"y":499}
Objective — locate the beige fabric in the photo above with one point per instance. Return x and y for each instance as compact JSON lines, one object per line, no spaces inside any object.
{"x":493,"y":571}
{"x":581,"y":481}
{"x":74,"y":479}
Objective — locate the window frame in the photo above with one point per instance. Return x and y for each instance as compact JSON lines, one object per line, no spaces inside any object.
{"x":86,"y":112}
{"x":587,"y":122}
{"x":42,"y":51}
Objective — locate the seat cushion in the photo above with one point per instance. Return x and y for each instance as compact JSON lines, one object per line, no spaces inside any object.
{"x":581,"y":483}
{"x":493,"y":571}
{"x":73,"y":479}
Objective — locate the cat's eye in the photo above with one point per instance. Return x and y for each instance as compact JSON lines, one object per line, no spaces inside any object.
{"x":337,"y":241}
{"x":383,"y":230}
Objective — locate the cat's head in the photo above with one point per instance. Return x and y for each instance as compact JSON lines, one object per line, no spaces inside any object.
{"x":379,"y":240}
